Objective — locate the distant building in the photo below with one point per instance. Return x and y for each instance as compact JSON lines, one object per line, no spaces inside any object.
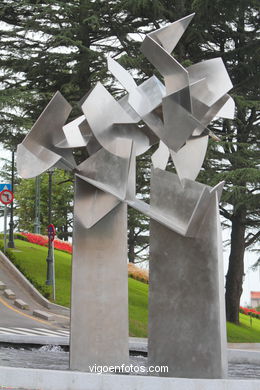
{"x":255,"y":298}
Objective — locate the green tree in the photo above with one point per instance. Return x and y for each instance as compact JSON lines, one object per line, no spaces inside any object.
{"x":62,"y":204}
{"x":229,"y":30}
{"x":53,"y":45}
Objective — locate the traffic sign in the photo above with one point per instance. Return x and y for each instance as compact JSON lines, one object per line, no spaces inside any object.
{"x":6,"y":196}
{"x":51,"y":232}
{"x":4,"y":186}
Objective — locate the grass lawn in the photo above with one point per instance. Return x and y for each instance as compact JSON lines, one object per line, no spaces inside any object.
{"x":32,"y":258}
{"x":138,"y":308}
{"x":246,"y":332}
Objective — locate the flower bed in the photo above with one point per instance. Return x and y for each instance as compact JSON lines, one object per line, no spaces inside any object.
{"x":250,"y":312}
{"x":43,"y":241}
{"x":133,"y":271}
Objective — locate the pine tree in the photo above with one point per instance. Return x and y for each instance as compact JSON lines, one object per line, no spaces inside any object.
{"x":54,"y":45}
{"x":229,"y":30}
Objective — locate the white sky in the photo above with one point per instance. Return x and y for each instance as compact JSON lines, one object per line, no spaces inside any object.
{"x":252,"y":278}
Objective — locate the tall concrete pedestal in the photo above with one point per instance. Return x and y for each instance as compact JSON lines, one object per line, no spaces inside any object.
{"x":99,"y":297}
{"x":187,"y":329}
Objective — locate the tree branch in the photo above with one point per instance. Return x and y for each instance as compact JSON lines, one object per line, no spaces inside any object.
{"x":252,"y":239}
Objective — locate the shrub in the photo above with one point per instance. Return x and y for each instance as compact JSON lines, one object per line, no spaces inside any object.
{"x":137,"y":273}
{"x":17,"y":236}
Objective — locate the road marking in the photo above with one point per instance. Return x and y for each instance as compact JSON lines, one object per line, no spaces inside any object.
{"x":33,"y":332}
{"x":10,"y":330}
{"x":54,"y":332}
{"x":64,"y":331}
{"x":62,"y":316}
{"x":44,"y":331}
{"x":26,"y":315}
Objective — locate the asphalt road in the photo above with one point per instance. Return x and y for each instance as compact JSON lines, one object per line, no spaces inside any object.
{"x":11,"y":316}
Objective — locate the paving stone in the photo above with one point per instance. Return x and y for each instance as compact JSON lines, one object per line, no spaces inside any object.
{"x":2,"y":285}
{"x":43,"y":315}
{"x":21,"y":304}
{"x":9,"y":294}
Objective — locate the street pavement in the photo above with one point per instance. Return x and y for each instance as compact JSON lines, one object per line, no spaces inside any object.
{"x":13,"y":317}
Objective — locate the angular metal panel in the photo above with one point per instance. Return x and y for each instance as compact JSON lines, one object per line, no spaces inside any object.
{"x":171,"y":203}
{"x":201,"y":208}
{"x":128,"y":108}
{"x":31,"y":164}
{"x":73,"y":134}
{"x":150,"y":96}
{"x":109,"y":121}
{"x":47,"y":130}
{"x":213,"y":110}
{"x":189,"y":159}
{"x":108,"y":171}
{"x":184,"y":218}
{"x":92,"y":204}
{"x":170,"y":35}
{"x":175,"y":75}
{"x":218,"y":189}
{"x":179,"y":124}
{"x":44,"y":135}
{"x":161,"y":156}
{"x":121,"y":74}
{"x":228,"y":110}
{"x":216,"y":76}
{"x":131,"y":181}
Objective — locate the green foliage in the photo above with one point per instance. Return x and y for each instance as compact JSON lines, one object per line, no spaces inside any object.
{"x":62,"y":203}
{"x":17,"y":236}
{"x":229,"y":29}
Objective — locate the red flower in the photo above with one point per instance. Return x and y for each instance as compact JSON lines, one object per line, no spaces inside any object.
{"x":43,"y":241}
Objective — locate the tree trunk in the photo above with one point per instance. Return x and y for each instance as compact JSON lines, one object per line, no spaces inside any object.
{"x":131,"y":245}
{"x":235,"y":274}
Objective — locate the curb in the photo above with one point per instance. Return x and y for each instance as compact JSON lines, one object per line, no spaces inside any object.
{"x":243,"y":356}
{"x":72,"y":380}
{"x":136,"y":347}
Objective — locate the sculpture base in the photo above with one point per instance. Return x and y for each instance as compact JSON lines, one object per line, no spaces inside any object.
{"x":99,"y":298}
{"x":187,"y":330}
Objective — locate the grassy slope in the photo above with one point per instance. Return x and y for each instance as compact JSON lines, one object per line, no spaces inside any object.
{"x":245,"y":333}
{"x":33,"y":259}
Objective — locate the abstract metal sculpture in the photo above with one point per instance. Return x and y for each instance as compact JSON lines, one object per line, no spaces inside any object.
{"x":186,"y":306}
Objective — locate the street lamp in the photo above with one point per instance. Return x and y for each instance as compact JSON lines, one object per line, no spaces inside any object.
{"x":37,"y":223}
{"x":10,"y":243}
{"x":50,"y":257}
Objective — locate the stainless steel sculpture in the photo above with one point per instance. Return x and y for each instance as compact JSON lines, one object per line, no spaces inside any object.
{"x":186,"y":305}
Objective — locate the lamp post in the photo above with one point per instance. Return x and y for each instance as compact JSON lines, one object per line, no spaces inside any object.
{"x":10,"y":243}
{"x":50,"y":257}
{"x":37,"y":224}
